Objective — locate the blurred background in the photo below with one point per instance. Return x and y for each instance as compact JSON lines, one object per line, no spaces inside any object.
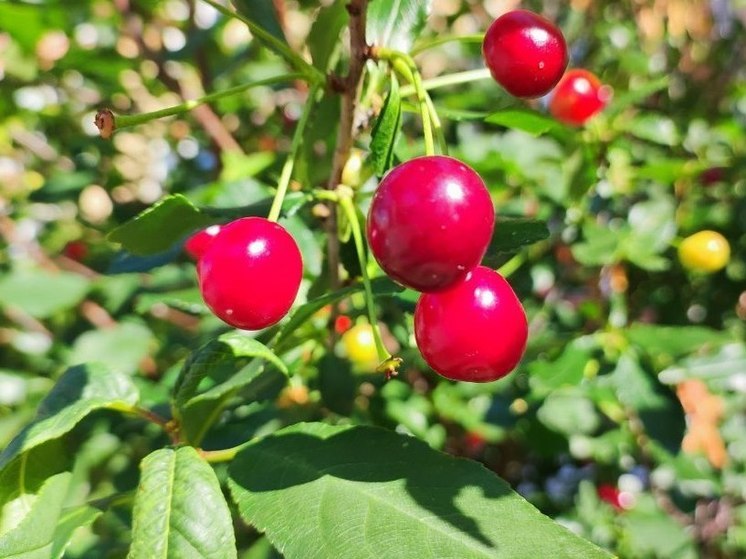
{"x":626,"y":418}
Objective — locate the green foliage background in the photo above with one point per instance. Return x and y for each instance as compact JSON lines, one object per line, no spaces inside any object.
{"x":114,"y":324}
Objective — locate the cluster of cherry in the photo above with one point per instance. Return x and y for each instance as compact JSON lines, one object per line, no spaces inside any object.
{"x":429,"y":226}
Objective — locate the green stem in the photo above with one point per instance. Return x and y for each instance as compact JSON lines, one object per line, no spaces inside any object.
{"x":223,"y":455}
{"x":507,"y":269}
{"x":169,"y":426}
{"x":348,"y":208}
{"x":403,"y":65}
{"x":123,"y":121}
{"x":448,"y":80}
{"x":310,"y":73}
{"x":477,"y":38}
{"x":287,"y":169}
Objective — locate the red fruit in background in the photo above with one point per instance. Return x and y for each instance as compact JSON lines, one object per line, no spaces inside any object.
{"x":610,"y":494}
{"x":342,"y":323}
{"x":430,"y":222}
{"x":250,"y":274}
{"x":76,"y":250}
{"x":197,"y":244}
{"x":526,"y":53}
{"x":578,"y":96}
{"x":476,"y":331}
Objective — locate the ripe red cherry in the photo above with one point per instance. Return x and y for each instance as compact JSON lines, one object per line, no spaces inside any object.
{"x":430,"y":222}
{"x":76,"y":250}
{"x":476,"y":331}
{"x":197,"y":244}
{"x":250,"y":274}
{"x":525,"y":53}
{"x":578,"y":96}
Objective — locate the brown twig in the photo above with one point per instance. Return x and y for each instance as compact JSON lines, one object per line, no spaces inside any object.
{"x":347,"y":87}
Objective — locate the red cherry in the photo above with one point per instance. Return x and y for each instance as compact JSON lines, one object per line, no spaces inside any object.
{"x":476,"y":331}
{"x":430,"y":222}
{"x":342,"y":323}
{"x":250,"y":274}
{"x":196,"y":245}
{"x":610,"y":494}
{"x":76,"y":250}
{"x":578,"y":96}
{"x":525,"y":53}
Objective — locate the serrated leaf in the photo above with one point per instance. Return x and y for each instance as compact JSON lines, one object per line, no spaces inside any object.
{"x":161,"y":226}
{"x":396,"y":24}
{"x":512,"y":233}
{"x":180,"y":510}
{"x":33,"y":538}
{"x":78,"y":392}
{"x":325,"y":31}
{"x":530,"y":122}
{"x":381,"y":287}
{"x":261,"y":12}
{"x":385,"y":131}
{"x":362,"y":492}
{"x":42,"y":294}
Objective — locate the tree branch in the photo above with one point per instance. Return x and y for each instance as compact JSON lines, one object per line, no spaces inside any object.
{"x":348,"y":88}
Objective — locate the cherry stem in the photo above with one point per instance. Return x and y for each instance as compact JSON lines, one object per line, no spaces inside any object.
{"x":403,"y":65}
{"x":310,"y":73}
{"x":512,"y":265}
{"x":287,"y":168}
{"x":477,"y":38}
{"x":345,"y":202}
{"x":124,"y":121}
{"x":448,"y":80}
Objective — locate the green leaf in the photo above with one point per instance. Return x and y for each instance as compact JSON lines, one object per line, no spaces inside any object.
{"x":261,"y":12}
{"x":396,"y":24}
{"x":659,"y":411}
{"x":42,"y":294}
{"x":361,"y":492}
{"x":512,"y":233}
{"x":78,"y":392}
{"x":160,"y":226}
{"x":230,"y":351}
{"x":634,"y":95}
{"x":180,"y":510}
{"x":674,"y":340}
{"x":34,"y":537}
{"x":214,"y":373}
{"x":719,"y":369}
{"x":654,"y":128}
{"x":531,"y":122}
{"x":69,"y":521}
{"x":325,"y":31}
{"x":187,"y":300}
{"x":381,"y":287}
{"x":652,"y":532}
{"x":569,"y":412}
{"x":120,"y":348}
{"x":385,"y":131}
{"x":547,"y":376}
